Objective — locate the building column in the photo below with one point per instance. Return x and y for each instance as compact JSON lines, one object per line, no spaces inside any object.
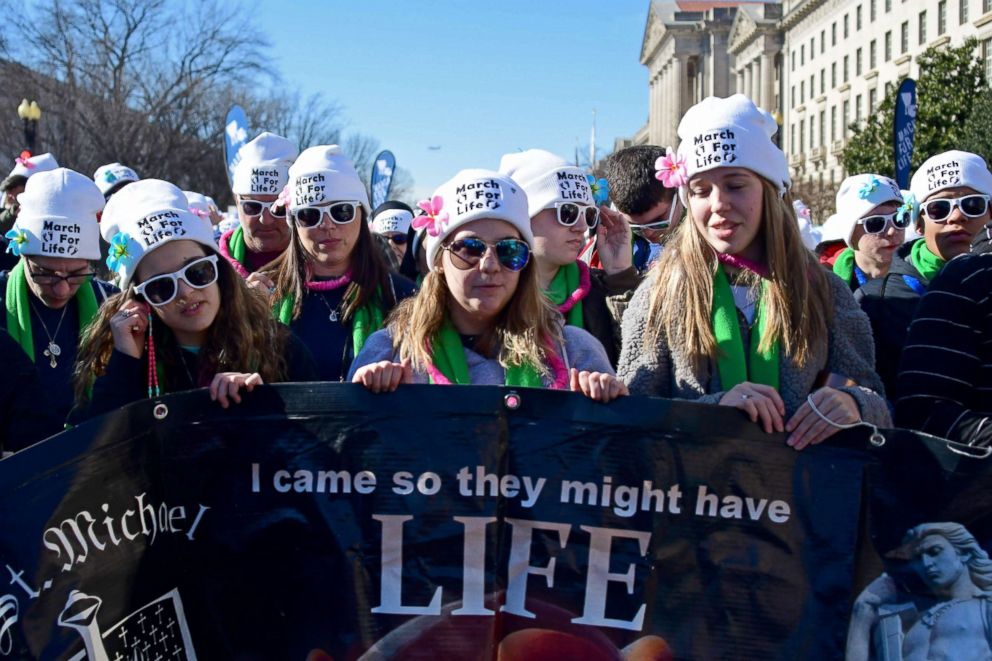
{"x":679,"y":90}
{"x":768,"y":81}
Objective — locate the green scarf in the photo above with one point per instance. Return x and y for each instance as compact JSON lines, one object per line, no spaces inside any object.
{"x":927,"y":263}
{"x":366,"y":320}
{"x":566,"y":281}
{"x":731,"y":363}
{"x":448,"y":355}
{"x":844,"y":265}
{"x":236,"y":246}
{"x":19,"y":308}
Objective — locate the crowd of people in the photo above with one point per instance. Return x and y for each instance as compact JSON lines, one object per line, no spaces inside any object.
{"x":686,"y":274}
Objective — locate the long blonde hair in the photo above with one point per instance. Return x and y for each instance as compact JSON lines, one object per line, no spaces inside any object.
{"x":519,"y":335}
{"x":799,"y":301}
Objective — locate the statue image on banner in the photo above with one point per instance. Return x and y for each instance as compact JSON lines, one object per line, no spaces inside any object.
{"x":940,"y":608}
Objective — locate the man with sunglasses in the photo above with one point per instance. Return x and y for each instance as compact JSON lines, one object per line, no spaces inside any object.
{"x":259,"y":177}
{"x":50,"y":296}
{"x":562,"y":210}
{"x":391,"y":220}
{"x":871,"y":208}
{"x":953,"y":191}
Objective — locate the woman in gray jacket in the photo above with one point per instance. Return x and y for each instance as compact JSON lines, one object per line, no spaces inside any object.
{"x":739,"y":313}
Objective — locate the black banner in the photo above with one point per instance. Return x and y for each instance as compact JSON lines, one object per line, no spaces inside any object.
{"x":323,"y":522}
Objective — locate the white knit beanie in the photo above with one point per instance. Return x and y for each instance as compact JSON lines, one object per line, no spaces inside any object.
{"x":263,"y":165}
{"x":391,"y":217}
{"x":113,"y":174}
{"x":951,"y":169}
{"x":859,"y":194}
{"x":473,"y":195}
{"x":58,"y":216}
{"x":546,"y":178}
{"x":324,"y":174}
{"x":144,"y":216}
{"x":731,"y":132}
{"x":33,"y":165}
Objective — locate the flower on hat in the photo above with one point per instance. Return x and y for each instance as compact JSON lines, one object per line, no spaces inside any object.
{"x":600,"y":189}
{"x":25,"y":159}
{"x":868,"y":187}
{"x":200,"y":213}
{"x":119,"y":256}
{"x":16,"y":239}
{"x":435,"y":219}
{"x":671,"y":170}
{"x":909,"y":206}
{"x":109,"y":177}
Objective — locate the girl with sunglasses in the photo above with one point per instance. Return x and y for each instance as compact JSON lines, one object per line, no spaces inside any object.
{"x":562,"y":209}
{"x":953,"y":190}
{"x":391,"y":220}
{"x":875,"y":218}
{"x":331,"y":286}
{"x":737,"y":312}
{"x":185,"y":319}
{"x":480,"y":317}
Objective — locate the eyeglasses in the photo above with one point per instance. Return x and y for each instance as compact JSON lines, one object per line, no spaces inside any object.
{"x":252,"y":208}
{"x":513,"y":254}
{"x":341,"y":213}
{"x":569,"y":213}
{"x":878,"y":224}
{"x":658,"y":224}
{"x":398,"y":239}
{"x":53,"y":279}
{"x":972,"y":206}
{"x":161,"y":289}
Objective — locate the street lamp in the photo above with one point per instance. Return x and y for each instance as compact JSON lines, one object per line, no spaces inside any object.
{"x":30,"y":113}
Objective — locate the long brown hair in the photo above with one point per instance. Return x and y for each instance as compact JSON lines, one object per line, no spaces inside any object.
{"x":242,"y":338}
{"x":518,"y":336}
{"x":799,"y":298}
{"x":369,"y":274}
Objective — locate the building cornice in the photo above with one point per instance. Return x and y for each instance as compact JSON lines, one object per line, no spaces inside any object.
{"x":800,"y":12}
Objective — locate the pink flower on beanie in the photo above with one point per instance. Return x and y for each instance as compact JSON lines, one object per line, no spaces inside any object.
{"x":435,"y":220}
{"x":671,"y":170}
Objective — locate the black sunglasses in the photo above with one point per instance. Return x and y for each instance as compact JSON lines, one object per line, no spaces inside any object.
{"x":513,"y":254}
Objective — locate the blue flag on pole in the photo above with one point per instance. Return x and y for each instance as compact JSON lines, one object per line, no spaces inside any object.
{"x":905,"y":130}
{"x":235,"y":137}
{"x":382,"y":176}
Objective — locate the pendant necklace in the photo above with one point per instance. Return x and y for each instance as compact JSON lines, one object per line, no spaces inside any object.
{"x":335,"y":315}
{"x":53,"y":351}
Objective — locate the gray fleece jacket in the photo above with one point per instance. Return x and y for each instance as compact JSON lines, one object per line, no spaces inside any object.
{"x":581,"y":351}
{"x":667,"y":371}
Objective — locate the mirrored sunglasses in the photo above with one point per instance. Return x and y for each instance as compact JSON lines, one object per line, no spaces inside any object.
{"x":972,"y":206}
{"x":512,"y":254}
{"x":341,"y":213}
{"x":162,"y":289}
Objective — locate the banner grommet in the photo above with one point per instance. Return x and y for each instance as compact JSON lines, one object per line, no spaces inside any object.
{"x":160,"y":411}
{"x":512,"y":400}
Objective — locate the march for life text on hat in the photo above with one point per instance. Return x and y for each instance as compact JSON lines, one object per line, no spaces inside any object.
{"x":58,"y":216}
{"x":391,"y":217}
{"x":473,"y":195}
{"x":859,"y":194}
{"x":324,"y":174}
{"x":951,"y":169}
{"x":143,"y":216}
{"x":263,"y":165}
{"x":546,"y":178}
{"x":731,"y":132}
{"x":112,"y":175}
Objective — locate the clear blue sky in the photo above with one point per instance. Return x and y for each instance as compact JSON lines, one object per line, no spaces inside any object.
{"x":477,"y":78}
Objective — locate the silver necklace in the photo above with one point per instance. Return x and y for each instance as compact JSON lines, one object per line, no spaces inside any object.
{"x":53,"y":351}
{"x":335,"y":315}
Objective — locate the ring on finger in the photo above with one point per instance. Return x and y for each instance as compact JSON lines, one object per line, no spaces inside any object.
{"x":124,"y":314}
{"x":745,"y":396}
{"x":135,"y":328}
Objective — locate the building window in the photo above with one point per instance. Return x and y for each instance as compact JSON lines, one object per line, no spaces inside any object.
{"x":888,"y":45}
{"x":962,"y":12}
{"x":833,"y":32}
{"x":823,"y":41}
{"x":857,"y":62}
{"x":857,"y":109}
{"x":823,"y":81}
{"x":792,"y":95}
{"x":845,"y":120}
{"x":941,"y":17}
{"x":802,"y":91}
{"x":833,"y":123}
{"x":903,"y":38}
{"x":812,"y":86}
{"x":923,"y":27}
{"x":872,"y":98}
{"x":857,"y":18}
{"x":823,"y":127}
{"x":888,"y":6}
{"x":846,"y":25}
{"x":802,"y":55}
{"x":847,"y":60}
{"x":871,"y":11}
{"x":802,"y":135}
{"x":986,"y":6}
{"x":792,"y":140}
{"x":872,"y":54}
{"x":812,"y":130}
{"x":793,"y":60}
{"x":812,"y":47}
{"x":833,"y":75}
{"x":987,"y":58}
